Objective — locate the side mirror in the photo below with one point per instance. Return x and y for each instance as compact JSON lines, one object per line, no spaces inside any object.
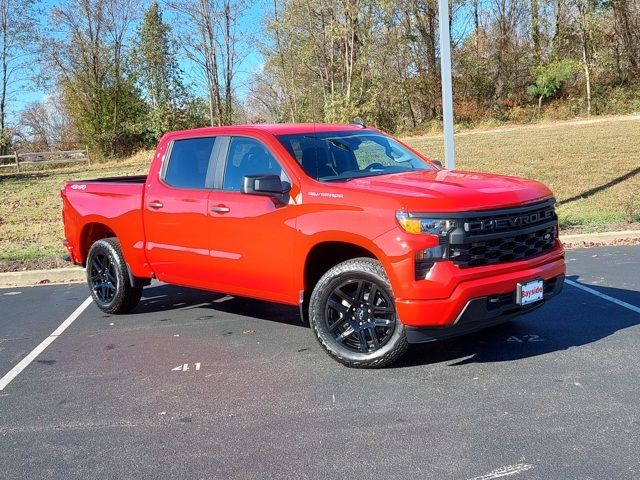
{"x":267,"y":185}
{"x":437,"y":162}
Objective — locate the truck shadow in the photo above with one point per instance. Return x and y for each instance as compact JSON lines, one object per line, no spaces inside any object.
{"x":162,"y":297}
{"x":572,"y":319}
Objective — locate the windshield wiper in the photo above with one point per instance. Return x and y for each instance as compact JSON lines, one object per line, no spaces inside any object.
{"x":332,"y":141}
{"x":364,"y":174}
{"x":339,"y":144}
{"x":337,"y":179}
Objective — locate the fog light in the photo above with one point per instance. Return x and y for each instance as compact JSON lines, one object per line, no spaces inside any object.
{"x":425,"y":259}
{"x":433,"y":253}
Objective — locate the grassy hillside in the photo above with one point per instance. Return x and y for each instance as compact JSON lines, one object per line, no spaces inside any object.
{"x":30,"y":210}
{"x":593,"y":167}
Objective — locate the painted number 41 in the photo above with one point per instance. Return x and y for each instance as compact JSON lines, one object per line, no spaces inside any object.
{"x":185,"y":367}
{"x":525,"y":339}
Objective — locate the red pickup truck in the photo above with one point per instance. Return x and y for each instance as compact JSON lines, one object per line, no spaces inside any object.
{"x":378,"y":245}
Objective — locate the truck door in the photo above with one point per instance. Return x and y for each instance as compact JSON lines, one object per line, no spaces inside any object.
{"x":251,"y":236}
{"x":176,"y":217}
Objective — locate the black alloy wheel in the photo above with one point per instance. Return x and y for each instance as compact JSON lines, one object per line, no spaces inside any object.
{"x":102,"y":277}
{"x":353,"y":315}
{"x":109,"y":279}
{"x":360,"y":315}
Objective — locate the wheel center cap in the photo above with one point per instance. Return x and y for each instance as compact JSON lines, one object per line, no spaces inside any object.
{"x":361,"y":314}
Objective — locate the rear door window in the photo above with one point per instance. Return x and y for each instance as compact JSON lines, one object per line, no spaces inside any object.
{"x":189,"y":163}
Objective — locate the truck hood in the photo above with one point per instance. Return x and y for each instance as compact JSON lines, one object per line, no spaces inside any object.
{"x":452,"y":190}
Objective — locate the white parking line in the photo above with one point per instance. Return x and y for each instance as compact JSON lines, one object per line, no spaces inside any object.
{"x":505,"y":471}
{"x":626,"y":305}
{"x":24,"y":363}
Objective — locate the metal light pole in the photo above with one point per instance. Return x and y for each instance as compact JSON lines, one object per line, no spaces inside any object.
{"x":445,"y":75}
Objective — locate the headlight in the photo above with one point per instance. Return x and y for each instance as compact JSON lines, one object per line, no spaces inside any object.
{"x":415,"y":223}
{"x":423,"y":224}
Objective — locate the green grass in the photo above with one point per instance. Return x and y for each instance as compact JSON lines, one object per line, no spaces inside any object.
{"x":571,"y":158}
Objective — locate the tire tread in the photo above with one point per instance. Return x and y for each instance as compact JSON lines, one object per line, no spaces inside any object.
{"x":372,"y":267}
{"x":127,"y":297}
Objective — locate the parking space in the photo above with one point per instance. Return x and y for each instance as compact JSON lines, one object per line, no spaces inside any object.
{"x":28,"y":315}
{"x":614,"y":269}
{"x":201,"y":385}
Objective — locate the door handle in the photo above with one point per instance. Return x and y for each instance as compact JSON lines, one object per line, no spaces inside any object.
{"x":220,"y":209}
{"x":155,"y":204}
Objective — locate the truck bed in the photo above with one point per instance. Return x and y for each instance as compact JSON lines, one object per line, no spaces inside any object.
{"x":116,"y":202}
{"x":130,"y":179}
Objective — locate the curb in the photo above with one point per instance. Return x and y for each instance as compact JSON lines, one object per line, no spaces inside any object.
{"x":28,"y":278}
{"x":600,"y":239}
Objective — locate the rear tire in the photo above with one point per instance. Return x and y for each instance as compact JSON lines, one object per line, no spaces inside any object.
{"x":108,"y":278}
{"x":353,"y":315}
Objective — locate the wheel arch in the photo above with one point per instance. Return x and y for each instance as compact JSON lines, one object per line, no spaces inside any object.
{"x":94,"y":231}
{"x":91,"y":233}
{"x":327,"y":254}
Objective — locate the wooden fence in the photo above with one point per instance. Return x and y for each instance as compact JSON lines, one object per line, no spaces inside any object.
{"x":21,"y":161}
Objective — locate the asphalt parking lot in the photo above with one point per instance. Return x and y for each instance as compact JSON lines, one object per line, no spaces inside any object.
{"x":201,"y":385}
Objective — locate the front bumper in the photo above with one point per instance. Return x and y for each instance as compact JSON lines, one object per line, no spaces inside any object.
{"x":483,"y":312}
{"x":439,"y":312}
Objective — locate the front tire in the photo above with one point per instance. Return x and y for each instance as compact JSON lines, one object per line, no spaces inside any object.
{"x":353,"y":315}
{"x":108,"y":278}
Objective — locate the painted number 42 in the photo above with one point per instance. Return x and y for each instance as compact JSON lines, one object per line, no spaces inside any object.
{"x":525,"y":339}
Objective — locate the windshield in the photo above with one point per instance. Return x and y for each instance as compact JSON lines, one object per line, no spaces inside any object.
{"x":341,"y":156}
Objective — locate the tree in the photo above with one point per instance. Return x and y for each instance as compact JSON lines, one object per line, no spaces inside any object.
{"x":159,"y":75}
{"x":267,"y":100}
{"x":585,"y":19}
{"x":627,"y":21}
{"x":120,"y":15}
{"x":551,"y":78}
{"x":326,"y":61}
{"x":535,"y":31}
{"x":46,"y":125}
{"x":319,"y":52}
{"x":289,"y":91}
{"x":17,"y":30}
{"x":421,"y":21}
{"x":87,"y":55}
{"x":210,"y":36}
{"x":332,"y":61}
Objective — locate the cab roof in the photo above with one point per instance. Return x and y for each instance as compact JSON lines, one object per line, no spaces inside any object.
{"x":272,"y":128}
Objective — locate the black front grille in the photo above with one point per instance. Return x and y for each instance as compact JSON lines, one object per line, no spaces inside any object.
{"x":508,"y":221}
{"x":503,"y":249}
{"x":493,"y":237}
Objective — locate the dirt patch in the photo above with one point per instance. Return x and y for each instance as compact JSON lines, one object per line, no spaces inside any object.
{"x":610,"y":227}
{"x":609,"y":243}
{"x":46,"y":263}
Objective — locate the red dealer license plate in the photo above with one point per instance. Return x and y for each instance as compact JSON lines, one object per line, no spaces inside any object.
{"x":529,"y":292}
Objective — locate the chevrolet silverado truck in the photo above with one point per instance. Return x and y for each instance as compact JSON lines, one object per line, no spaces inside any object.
{"x":380,"y":246}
